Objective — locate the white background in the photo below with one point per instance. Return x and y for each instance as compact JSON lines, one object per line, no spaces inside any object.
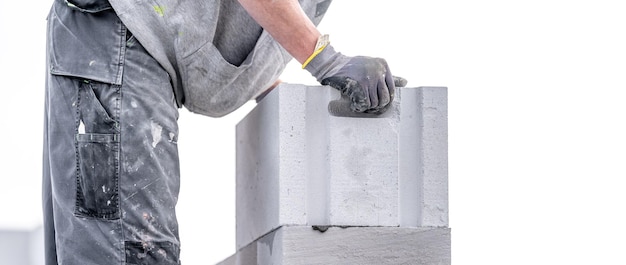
{"x":536,"y":124}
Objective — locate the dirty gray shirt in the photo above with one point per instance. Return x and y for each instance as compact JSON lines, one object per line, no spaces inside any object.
{"x":217,"y":57}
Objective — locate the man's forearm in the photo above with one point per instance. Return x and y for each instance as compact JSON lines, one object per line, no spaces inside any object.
{"x":287,"y":23}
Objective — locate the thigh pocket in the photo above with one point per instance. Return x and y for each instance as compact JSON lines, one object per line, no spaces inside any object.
{"x":97,"y":150}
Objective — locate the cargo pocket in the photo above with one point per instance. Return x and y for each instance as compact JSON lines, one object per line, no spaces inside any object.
{"x":86,"y":45}
{"x":97,"y":150}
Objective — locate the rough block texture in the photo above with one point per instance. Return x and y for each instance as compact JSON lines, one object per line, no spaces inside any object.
{"x":298,"y":164}
{"x":354,"y":245}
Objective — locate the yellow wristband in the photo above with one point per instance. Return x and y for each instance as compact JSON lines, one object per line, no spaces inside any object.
{"x":322,"y":42}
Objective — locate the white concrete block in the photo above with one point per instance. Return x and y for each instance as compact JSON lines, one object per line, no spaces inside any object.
{"x":22,"y":247}
{"x":299,"y":165}
{"x":353,"y":245}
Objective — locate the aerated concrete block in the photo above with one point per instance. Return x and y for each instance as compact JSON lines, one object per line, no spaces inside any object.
{"x":22,"y":247}
{"x":353,"y":245}
{"x":298,"y":164}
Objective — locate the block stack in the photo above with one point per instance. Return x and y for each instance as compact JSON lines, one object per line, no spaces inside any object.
{"x":317,"y":184}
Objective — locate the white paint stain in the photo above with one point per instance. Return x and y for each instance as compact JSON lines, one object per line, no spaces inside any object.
{"x":156,"y":133}
{"x":133,"y":104}
{"x":81,"y":127}
{"x":172,"y":138}
{"x":104,"y":188}
{"x":92,"y":62}
{"x":133,"y":167}
{"x":163,"y":253}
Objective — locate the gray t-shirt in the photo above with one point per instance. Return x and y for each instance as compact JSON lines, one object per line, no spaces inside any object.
{"x":218,"y":57}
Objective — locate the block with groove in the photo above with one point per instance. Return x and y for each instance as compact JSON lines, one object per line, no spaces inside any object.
{"x":299,"y":165}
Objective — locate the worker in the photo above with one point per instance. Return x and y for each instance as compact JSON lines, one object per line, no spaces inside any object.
{"x":119,"y":70}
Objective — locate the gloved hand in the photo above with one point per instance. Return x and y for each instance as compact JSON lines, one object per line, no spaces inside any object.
{"x":366,"y":81}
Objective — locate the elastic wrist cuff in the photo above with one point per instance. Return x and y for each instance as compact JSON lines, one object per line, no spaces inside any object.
{"x":322,"y":42}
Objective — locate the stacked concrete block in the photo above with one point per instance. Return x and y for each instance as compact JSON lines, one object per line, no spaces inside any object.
{"x":351,"y":245}
{"x":21,"y":247}
{"x":304,"y":161}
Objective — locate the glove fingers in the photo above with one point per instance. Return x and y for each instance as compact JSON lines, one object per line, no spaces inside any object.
{"x":373,"y":95}
{"x":360,"y":101}
{"x":399,"y":81}
{"x":383,"y":94}
{"x":392,"y":84}
{"x":384,"y":98}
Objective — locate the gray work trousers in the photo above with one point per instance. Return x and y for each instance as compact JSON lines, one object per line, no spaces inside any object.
{"x":110,"y":162}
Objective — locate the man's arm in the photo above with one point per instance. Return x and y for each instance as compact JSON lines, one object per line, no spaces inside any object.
{"x":287,"y":23}
{"x":365,"y":80}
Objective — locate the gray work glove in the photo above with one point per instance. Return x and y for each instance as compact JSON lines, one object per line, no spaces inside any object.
{"x":366,"y":81}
